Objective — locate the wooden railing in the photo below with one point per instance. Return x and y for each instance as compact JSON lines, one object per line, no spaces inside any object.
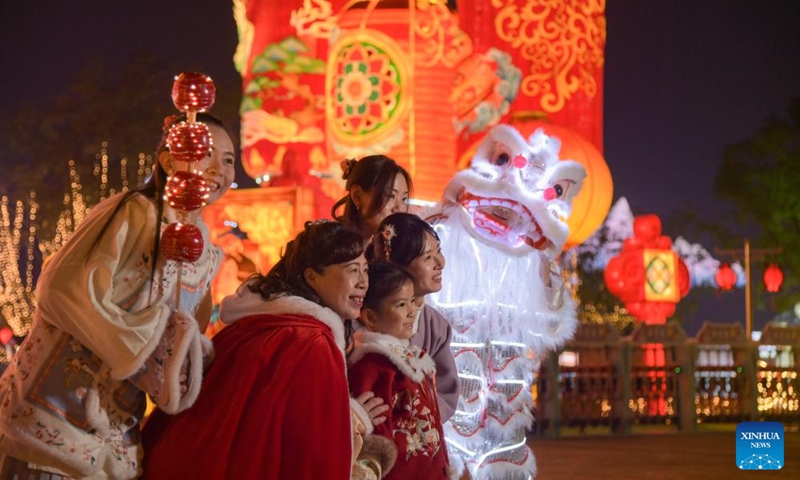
{"x":659,"y":377}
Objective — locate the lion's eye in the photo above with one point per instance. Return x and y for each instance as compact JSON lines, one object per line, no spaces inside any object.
{"x":501,"y":159}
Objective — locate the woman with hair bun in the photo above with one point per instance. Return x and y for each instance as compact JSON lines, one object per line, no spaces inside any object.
{"x":376,"y":187}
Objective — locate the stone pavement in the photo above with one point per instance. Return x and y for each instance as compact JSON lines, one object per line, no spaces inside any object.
{"x":654,"y":456}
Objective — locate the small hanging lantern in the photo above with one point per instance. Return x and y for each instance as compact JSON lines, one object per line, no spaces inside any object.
{"x":5,"y":335}
{"x":725,"y":277}
{"x":773,"y":278}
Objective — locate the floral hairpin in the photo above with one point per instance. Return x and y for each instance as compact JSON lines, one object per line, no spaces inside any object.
{"x":347,"y":167}
{"x":388,"y":233}
{"x":169,"y":120}
{"x":319,"y":221}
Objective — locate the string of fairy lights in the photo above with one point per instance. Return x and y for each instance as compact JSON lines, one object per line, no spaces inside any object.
{"x":16,"y":294}
{"x":20,"y":233}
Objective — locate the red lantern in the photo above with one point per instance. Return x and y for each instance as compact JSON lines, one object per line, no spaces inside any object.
{"x":725,"y":277}
{"x":186,"y":191}
{"x":182,"y":242}
{"x":193,"y":92}
{"x":773,"y":278}
{"x":189,"y":142}
{"x":647,"y":275}
{"x":5,"y":335}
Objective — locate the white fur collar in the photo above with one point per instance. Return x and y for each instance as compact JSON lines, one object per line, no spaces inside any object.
{"x":245,"y":303}
{"x":410,"y":360}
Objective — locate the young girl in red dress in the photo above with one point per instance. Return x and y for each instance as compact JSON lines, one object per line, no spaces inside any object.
{"x":382,"y":361}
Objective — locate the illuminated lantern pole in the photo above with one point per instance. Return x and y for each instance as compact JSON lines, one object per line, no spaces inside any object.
{"x":650,"y":279}
{"x":748,"y":254}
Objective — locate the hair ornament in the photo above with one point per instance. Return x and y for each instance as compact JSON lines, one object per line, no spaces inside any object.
{"x":311,"y":223}
{"x":388,"y":233}
{"x":169,"y":120}
{"x":347,"y":167}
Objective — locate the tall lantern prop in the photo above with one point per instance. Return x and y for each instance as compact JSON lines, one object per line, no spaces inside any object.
{"x":725,"y":277}
{"x":189,"y":141}
{"x":773,"y":278}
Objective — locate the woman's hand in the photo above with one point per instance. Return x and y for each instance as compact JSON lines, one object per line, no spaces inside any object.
{"x":374,"y":407}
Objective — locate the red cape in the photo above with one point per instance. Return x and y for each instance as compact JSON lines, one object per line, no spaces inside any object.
{"x":274,"y":405}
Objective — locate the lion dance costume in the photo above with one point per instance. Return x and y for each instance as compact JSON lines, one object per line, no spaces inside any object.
{"x":502,"y":223}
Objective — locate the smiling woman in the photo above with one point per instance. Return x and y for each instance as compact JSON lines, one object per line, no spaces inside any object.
{"x":277,"y":391}
{"x":409,"y":242}
{"x":376,"y":187}
{"x":117,"y":319}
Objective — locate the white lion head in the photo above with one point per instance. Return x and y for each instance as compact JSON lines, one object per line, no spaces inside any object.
{"x":517,"y":194}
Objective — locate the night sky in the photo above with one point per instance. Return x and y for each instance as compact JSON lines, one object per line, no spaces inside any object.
{"x":45,"y":44}
{"x":683,"y":78}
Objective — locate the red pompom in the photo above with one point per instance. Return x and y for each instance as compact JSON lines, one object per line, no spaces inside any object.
{"x":193,"y":92}
{"x":182,"y":242}
{"x":186,"y":191}
{"x":189,"y":142}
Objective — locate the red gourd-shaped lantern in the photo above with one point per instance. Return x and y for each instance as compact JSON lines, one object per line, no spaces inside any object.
{"x":186,"y":191}
{"x":189,"y":141}
{"x":773,"y":278}
{"x":182,"y":242}
{"x":725,"y":277}
{"x":193,"y":92}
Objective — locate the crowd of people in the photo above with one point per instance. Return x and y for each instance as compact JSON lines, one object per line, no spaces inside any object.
{"x":330,"y":365}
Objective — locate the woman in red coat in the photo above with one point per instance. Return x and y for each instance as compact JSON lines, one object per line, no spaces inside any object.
{"x":275,"y":402}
